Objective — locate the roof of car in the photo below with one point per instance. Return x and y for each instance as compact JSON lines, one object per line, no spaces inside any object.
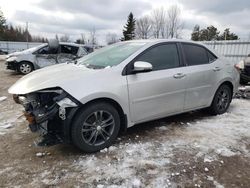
{"x":164,"y":40}
{"x":155,"y":41}
{"x":70,"y":43}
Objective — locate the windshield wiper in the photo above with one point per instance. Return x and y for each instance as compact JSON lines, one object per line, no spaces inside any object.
{"x":94,"y":66}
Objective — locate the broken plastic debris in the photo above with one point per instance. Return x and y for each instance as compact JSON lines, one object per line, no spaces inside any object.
{"x":40,"y":154}
{"x":3,"y":98}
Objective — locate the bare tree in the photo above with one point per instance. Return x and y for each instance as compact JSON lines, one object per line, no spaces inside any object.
{"x":158,"y":22}
{"x":93,"y":39}
{"x":175,"y":25}
{"x":111,"y":38}
{"x":143,"y":27}
{"x":64,"y":38}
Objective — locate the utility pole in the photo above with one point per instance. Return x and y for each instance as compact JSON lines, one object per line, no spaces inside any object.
{"x":27,"y":34}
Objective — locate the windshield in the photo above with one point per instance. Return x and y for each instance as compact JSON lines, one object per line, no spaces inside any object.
{"x":111,"y":55}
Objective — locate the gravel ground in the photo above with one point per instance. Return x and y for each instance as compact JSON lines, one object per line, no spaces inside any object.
{"x":188,"y":150}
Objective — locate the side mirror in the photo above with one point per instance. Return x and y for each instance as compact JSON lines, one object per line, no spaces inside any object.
{"x":142,"y":66}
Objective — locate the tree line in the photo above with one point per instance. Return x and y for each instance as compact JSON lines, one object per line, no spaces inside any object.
{"x":162,"y":23}
{"x":212,"y":33}
{"x":10,"y":33}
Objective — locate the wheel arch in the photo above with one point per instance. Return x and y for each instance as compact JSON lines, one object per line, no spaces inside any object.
{"x":72,"y":113}
{"x":228,"y":83}
{"x":26,"y":61}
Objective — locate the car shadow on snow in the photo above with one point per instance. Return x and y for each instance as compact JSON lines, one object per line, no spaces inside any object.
{"x":145,"y":131}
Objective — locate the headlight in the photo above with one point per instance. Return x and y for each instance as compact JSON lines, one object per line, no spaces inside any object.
{"x":14,"y":58}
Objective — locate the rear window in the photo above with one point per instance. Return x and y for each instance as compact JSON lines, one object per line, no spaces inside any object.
{"x":195,"y":55}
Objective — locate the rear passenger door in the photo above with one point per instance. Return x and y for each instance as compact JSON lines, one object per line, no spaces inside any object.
{"x":202,"y":71}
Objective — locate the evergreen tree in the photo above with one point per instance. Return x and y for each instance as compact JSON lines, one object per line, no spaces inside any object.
{"x":2,"y":25}
{"x":129,"y":28}
{"x":227,"y":35}
{"x":195,"y":35}
{"x":210,"y":33}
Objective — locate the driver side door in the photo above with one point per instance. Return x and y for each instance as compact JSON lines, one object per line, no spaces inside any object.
{"x":161,"y":91}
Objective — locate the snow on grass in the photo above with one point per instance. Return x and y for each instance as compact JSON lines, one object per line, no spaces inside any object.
{"x":10,"y":115}
{"x":146,"y":162}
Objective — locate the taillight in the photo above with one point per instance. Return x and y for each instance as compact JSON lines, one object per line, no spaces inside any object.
{"x":237,"y":67}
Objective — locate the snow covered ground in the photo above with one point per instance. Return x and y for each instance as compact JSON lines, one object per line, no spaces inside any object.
{"x":9,"y":115}
{"x":162,"y":154}
{"x":205,"y":137}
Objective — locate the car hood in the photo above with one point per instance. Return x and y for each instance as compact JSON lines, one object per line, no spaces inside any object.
{"x":60,"y":75}
{"x":15,"y":54}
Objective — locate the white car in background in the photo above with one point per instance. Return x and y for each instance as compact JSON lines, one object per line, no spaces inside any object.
{"x":90,"y":101}
{"x":44,"y":55}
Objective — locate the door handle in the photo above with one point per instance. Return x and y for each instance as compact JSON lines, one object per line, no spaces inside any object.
{"x":179,"y":75}
{"x":216,"y":69}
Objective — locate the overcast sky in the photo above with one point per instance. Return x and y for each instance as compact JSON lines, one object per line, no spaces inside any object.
{"x":73,"y":17}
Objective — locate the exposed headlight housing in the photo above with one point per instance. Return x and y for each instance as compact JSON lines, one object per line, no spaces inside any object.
{"x":66,"y":102}
{"x":19,"y":99}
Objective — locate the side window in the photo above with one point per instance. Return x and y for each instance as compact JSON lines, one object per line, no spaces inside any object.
{"x":66,"y":49}
{"x":195,"y":55}
{"x":47,"y":50}
{"x":211,"y":57}
{"x":161,"y":57}
{"x":44,"y":50}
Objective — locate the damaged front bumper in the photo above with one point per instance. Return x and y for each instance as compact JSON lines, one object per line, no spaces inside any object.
{"x":11,"y":65}
{"x":46,"y":111}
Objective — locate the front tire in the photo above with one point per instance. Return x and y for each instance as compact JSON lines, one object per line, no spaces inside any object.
{"x":95,"y":127}
{"x":221,"y":101}
{"x":25,"y":67}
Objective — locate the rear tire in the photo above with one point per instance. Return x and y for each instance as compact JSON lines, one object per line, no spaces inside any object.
{"x":221,"y":101}
{"x":95,"y":127}
{"x":25,"y":67}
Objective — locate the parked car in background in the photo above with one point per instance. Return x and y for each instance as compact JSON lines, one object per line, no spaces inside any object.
{"x":90,"y":102}
{"x":43,"y":55}
{"x":2,"y":52}
{"x":244,"y":68}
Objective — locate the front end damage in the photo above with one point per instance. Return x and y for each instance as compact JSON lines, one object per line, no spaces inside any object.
{"x":47,"y":111}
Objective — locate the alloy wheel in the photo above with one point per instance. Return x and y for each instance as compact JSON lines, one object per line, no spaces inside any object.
{"x":223,"y":100}
{"x":98,"y":127}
